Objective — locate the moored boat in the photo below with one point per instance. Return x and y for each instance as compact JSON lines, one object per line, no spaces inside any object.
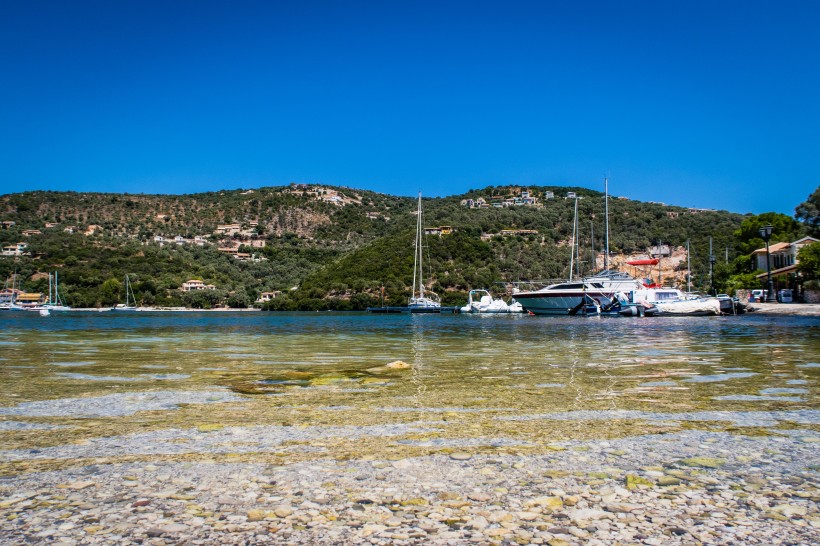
{"x":421,"y":300}
{"x":481,"y":301}
{"x":130,"y":301}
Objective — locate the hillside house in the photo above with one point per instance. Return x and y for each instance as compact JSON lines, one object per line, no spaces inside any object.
{"x":265,"y":297}
{"x":196,"y":284}
{"x":440,"y":230}
{"x":18,"y":249}
{"x":7,"y":224}
{"x":228,"y":229}
{"x":662,"y":251}
{"x":513,"y":232}
{"x":30,"y":232}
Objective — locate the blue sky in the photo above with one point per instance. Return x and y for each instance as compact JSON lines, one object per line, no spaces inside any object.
{"x":704,"y":104}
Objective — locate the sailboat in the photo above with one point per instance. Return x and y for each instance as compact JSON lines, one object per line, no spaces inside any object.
{"x":130,"y":301}
{"x":421,"y":301}
{"x":55,"y":302}
{"x":8,"y":296}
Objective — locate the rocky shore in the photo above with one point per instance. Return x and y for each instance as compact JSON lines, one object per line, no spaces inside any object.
{"x":691,"y":487}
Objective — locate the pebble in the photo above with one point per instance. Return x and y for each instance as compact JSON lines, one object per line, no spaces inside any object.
{"x":438,"y":499}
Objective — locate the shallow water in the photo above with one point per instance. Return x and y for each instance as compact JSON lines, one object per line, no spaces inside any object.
{"x":499,"y":377}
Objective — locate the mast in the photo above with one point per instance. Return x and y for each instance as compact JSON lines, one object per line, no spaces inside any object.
{"x":606,"y":219}
{"x":592,"y":244}
{"x":57,"y":300}
{"x":660,"y":256}
{"x":417,"y":261}
{"x":688,"y":269}
{"x":573,"y":242}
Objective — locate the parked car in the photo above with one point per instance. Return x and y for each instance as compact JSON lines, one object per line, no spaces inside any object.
{"x":759,"y":294}
{"x":785,"y":295}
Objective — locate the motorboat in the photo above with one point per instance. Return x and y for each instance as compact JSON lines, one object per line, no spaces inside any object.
{"x":481,"y":301}
{"x":613,"y":292}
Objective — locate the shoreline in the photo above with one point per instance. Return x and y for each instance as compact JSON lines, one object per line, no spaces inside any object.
{"x":785,"y":309}
{"x":789,"y":309}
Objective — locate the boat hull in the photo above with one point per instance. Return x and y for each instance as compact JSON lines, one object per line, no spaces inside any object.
{"x":562,"y":303}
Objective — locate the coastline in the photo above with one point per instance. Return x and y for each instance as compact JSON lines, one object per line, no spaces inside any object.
{"x":786,"y":309}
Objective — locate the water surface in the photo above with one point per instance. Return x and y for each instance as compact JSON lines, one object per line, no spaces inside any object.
{"x":495,"y":380}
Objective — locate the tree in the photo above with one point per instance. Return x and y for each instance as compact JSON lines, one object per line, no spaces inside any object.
{"x":809,"y":261}
{"x":784,"y":228}
{"x":808,"y":212}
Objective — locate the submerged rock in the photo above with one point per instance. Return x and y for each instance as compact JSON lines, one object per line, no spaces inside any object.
{"x":703,"y":462}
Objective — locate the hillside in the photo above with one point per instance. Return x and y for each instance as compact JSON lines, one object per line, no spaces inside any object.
{"x":338,"y":246}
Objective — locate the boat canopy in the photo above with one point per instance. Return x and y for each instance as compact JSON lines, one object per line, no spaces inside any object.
{"x":653,"y":261}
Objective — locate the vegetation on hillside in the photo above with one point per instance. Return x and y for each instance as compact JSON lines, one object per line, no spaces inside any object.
{"x":329,"y":247}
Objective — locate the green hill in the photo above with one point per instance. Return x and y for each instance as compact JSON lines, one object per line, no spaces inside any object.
{"x":336,"y":246}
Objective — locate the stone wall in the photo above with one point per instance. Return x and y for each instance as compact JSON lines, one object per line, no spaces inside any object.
{"x":811,"y":296}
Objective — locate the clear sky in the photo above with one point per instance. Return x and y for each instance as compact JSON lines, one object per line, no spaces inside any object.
{"x":707,"y":104}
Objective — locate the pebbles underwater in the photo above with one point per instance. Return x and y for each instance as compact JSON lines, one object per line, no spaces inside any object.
{"x":687,"y":488}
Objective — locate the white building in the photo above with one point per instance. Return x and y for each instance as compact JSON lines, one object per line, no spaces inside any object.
{"x":196,"y":284}
{"x":783,"y":256}
{"x":18,"y":249}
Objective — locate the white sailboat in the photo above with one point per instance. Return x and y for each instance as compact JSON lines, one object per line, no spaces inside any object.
{"x":55,"y":301}
{"x":421,"y":301}
{"x":130,"y":301}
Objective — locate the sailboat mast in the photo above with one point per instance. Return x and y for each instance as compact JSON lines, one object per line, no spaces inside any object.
{"x":688,"y":269}
{"x":417,"y":265}
{"x":592,"y":244}
{"x":572,"y":246}
{"x":606,"y":219}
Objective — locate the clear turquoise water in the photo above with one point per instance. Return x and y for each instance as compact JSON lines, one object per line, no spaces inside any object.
{"x":481,"y":371}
